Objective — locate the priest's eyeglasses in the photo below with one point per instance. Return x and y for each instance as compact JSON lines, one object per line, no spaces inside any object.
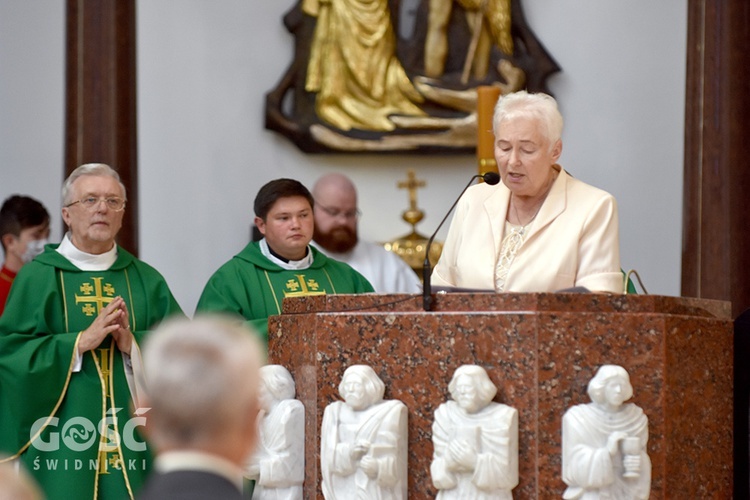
{"x":92,"y":202}
{"x":335,"y":212}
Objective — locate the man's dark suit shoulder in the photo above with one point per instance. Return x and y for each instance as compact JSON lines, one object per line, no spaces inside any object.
{"x":189,"y":485}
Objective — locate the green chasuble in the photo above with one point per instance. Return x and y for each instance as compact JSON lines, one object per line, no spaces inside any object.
{"x":254,"y":287}
{"x":75,"y":430}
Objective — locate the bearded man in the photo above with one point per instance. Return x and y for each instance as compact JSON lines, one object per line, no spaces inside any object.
{"x":335,"y":234}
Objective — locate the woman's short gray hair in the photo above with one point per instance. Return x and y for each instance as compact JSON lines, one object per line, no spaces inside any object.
{"x":100,"y":169}
{"x":538,"y":106}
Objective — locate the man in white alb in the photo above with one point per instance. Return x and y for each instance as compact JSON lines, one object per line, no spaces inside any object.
{"x":335,"y":234}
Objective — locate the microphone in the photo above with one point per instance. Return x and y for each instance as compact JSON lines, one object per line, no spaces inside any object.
{"x":490,"y":178}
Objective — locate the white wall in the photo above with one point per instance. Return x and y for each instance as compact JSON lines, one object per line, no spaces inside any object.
{"x":205,"y":66}
{"x":32,"y":86}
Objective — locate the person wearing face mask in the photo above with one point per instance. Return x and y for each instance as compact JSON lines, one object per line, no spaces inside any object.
{"x":24,"y":230}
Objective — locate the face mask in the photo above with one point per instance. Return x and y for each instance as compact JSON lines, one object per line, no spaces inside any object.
{"x":33,"y":248}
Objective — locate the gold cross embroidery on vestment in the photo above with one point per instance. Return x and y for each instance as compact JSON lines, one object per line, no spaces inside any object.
{"x":301,"y":287}
{"x":95,"y":296}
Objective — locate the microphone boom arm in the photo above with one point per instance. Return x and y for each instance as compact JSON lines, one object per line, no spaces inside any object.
{"x":490,"y":178}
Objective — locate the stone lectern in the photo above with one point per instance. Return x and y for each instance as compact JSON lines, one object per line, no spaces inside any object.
{"x":540,"y":350}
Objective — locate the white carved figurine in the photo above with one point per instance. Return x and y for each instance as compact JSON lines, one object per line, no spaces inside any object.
{"x":363,"y":441}
{"x":475,"y":440}
{"x":604,"y":442}
{"x":278,"y":464}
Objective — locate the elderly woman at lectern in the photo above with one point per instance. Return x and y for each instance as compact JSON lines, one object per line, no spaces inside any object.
{"x":540,"y":229}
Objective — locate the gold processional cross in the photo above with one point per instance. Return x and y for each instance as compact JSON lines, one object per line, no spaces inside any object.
{"x":412,"y":184}
{"x":411,"y":248}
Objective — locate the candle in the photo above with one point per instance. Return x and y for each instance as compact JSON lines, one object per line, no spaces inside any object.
{"x":487,"y":96}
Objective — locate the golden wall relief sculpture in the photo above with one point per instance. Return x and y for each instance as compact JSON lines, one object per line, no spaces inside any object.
{"x":400,"y":75}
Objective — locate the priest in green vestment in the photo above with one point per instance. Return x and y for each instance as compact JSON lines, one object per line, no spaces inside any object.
{"x":282,"y":264}
{"x":70,"y":366}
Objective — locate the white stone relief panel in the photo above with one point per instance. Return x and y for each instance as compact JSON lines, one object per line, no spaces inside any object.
{"x":364,"y":441}
{"x":604,"y":442}
{"x":278,"y":464}
{"x":475,"y":440}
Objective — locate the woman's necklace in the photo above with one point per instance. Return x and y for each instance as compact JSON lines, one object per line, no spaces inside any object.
{"x":524,"y":226}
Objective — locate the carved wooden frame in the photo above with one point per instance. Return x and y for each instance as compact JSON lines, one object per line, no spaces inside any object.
{"x":290,"y":109}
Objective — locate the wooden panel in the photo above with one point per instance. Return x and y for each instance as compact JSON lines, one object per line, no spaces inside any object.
{"x":715,"y":238}
{"x":100,"y":114}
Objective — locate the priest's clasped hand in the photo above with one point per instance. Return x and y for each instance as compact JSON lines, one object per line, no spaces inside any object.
{"x":113,"y":319}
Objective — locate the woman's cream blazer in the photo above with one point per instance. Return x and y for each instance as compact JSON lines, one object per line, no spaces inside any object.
{"x":573,"y":241}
